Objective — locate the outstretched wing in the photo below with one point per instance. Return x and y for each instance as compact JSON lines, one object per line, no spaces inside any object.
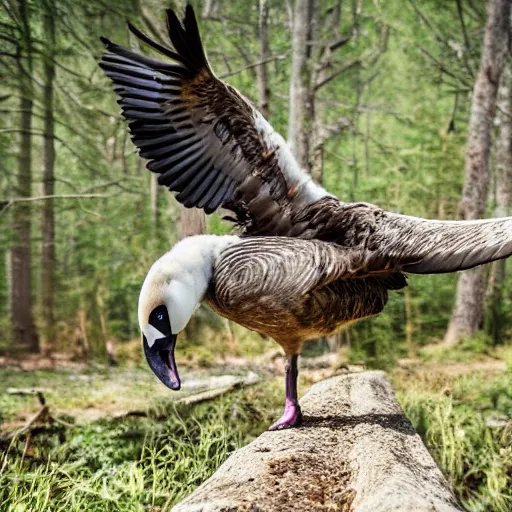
{"x":207,"y":142}
{"x":432,"y":247}
{"x":381,"y":241}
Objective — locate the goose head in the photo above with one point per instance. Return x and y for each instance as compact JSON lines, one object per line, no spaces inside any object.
{"x":172,"y":291}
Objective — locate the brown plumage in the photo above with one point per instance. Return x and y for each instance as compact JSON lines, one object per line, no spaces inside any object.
{"x":293,"y":290}
{"x":322,"y":263}
{"x":213,"y":148}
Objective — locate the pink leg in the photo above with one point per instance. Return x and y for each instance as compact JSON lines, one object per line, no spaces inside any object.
{"x":292,"y":415}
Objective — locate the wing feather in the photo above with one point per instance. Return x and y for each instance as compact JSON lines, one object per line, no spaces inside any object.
{"x":390,"y":242}
{"x":188,"y":123}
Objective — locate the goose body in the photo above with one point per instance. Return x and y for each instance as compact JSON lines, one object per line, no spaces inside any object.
{"x":307,"y":263}
{"x":291,"y":290}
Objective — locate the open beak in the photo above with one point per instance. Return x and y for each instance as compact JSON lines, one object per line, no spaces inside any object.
{"x":161,"y":360}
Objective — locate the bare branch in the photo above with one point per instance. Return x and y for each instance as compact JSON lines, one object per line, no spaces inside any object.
{"x":332,"y":76}
{"x":254,"y":65}
{"x":7,"y":203}
{"x":58,"y":139}
{"x":444,"y":69}
{"x":342,"y":41}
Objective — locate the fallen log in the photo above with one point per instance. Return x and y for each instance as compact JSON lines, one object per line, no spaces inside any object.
{"x":355,"y":452}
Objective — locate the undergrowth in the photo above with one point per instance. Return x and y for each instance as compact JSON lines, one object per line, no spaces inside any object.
{"x":467,"y":426}
{"x":149,"y":464}
{"x":133,"y":464}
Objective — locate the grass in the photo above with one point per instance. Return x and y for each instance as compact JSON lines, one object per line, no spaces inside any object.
{"x":148,"y":464}
{"x":464,"y":415}
{"x":133,"y":464}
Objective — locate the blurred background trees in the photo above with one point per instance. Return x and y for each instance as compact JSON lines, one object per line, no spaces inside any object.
{"x":378,"y":100}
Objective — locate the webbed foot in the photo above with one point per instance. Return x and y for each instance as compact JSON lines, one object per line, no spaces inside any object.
{"x":292,"y":417}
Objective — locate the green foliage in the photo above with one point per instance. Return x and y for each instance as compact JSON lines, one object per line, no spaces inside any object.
{"x":474,"y":453}
{"x":129,"y":465}
{"x":397,"y":151}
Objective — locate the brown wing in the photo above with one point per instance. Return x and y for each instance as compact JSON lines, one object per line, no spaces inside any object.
{"x":385,"y":241}
{"x":206,"y":141}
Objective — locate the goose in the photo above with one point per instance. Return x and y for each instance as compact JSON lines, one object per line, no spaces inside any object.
{"x":306,"y":264}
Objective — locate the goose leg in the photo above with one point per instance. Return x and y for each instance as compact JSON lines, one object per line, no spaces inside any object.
{"x":292,"y":415}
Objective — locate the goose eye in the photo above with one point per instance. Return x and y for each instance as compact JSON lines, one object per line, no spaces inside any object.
{"x":159,"y":319}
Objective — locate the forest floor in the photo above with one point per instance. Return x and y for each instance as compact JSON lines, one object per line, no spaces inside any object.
{"x":119,"y":440}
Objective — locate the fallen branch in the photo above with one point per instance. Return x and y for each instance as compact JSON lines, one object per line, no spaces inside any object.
{"x":197,"y":398}
{"x":40,"y":416}
{"x":39,"y":392}
{"x":208,"y":395}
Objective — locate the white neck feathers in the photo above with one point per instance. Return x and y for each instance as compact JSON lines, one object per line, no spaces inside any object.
{"x":179,"y":279}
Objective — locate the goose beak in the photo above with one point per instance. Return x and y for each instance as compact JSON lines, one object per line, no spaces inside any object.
{"x":160,"y":358}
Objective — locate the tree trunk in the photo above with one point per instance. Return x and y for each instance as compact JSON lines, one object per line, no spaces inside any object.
{"x":154,"y":193}
{"x":20,"y":300}
{"x":467,"y":315}
{"x":48,"y":226}
{"x":409,"y":324}
{"x":299,"y":121}
{"x":355,"y":452}
{"x":319,"y":131}
{"x":192,"y":222}
{"x":263,"y":88}
{"x":503,"y":152}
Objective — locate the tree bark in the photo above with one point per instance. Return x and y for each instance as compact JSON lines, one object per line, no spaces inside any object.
{"x":192,"y":222}
{"x":263,"y":88}
{"x":299,"y":121}
{"x":20,"y":300}
{"x":467,"y":315}
{"x":503,"y":173}
{"x":356,"y":452}
{"x":154,"y":193}
{"x":48,"y":221}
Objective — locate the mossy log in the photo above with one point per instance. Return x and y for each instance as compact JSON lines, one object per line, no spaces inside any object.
{"x":356,"y":451}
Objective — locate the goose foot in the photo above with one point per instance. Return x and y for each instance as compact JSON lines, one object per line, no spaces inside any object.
{"x":292,"y":417}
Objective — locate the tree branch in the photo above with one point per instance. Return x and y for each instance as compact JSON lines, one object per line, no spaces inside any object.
{"x":7,"y":203}
{"x":332,"y":76}
{"x":254,"y":65}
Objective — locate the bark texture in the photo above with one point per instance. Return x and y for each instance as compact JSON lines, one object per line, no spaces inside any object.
{"x":262,"y":74}
{"x":48,"y":220}
{"x":355,"y":452}
{"x":192,"y":222}
{"x":299,"y":121}
{"x":503,"y":153}
{"x":20,"y":289}
{"x":154,"y":194}
{"x":467,"y":315}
